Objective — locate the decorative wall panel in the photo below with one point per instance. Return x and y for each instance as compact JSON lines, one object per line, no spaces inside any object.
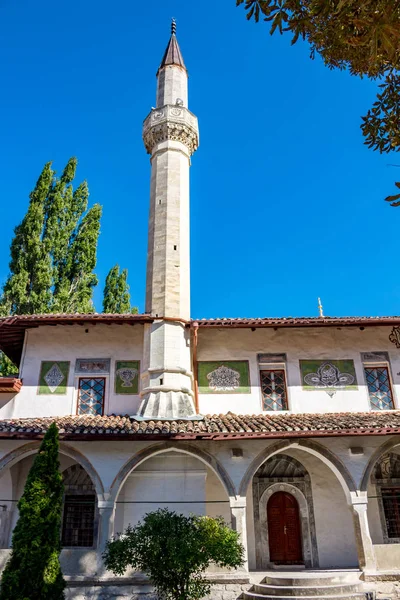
{"x":93,"y":366}
{"x":224,"y":377}
{"x":127,"y":376}
{"x":328,"y":375}
{"x":53,"y":377}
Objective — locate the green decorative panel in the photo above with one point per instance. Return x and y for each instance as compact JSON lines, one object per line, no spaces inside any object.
{"x":328,"y":375}
{"x":224,"y":377}
{"x":127,"y":376}
{"x":53,"y":377}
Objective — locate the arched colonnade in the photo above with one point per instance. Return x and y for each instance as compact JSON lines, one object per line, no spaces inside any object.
{"x":236,"y":488}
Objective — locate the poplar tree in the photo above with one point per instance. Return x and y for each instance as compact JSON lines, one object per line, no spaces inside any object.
{"x":28,"y":287}
{"x":54,"y":250}
{"x":33,"y":570}
{"x":54,"y":254}
{"x":117,"y":298}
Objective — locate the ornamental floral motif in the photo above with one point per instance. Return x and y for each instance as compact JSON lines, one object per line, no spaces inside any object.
{"x":328,"y":376}
{"x":54,"y":377}
{"x":127,"y":375}
{"x":223,"y":379}
{"x":394,"y":337}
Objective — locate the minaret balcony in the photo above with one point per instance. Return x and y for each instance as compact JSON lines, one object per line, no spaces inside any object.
{"x":171,"y":122}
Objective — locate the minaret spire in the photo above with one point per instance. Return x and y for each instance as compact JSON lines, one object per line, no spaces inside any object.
{"x":172,"y":70}
{"x":171,"y":136}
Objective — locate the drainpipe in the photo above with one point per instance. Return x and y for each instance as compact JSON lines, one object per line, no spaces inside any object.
{"x":195,"y":327}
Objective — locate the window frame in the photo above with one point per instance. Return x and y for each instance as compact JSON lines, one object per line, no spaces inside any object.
{"x":95,"y":518}
{"x":104,"y":395}
{"x":377,"y":365}
{"x":274,"y":367}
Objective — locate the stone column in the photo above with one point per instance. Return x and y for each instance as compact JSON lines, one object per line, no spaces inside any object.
{"x":238,"y":518}
{"x":365,"y":547}
{"x":106,"y":510}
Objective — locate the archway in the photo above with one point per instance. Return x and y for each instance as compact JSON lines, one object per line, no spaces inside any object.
{"x":172,"y":478}
{"x":80,"y":478}
{"x":183,"y":448}
{"x":323,"y":499}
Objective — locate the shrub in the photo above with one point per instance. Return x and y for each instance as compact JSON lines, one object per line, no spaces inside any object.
{"x":175,"y":551}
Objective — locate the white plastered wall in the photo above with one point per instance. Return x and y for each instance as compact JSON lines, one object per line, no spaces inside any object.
{"x":170,"y":480}
{"x":67,"y":343}
{"x":297,"y":344}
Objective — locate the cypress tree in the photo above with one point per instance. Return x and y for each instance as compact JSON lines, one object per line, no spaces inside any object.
{"x":33,"y":571}
{"x":117,"y":298}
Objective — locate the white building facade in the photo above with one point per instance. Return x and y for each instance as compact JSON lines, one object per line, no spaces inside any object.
{"x":288,"y":428}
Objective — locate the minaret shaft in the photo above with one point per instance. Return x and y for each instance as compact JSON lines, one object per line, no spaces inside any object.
{"x":170,"y":134}
{"x":168,"y":269}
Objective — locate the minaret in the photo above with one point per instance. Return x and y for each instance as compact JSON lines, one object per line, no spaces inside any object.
{"x":170,"y":134}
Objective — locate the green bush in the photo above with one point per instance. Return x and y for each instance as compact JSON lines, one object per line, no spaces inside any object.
{"x":33,"y":571}
{"x":175,"y":551}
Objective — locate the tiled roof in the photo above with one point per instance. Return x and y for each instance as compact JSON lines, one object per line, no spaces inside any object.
{"x":211,"y":427}
{"x":297,"y":321}
{"x":12,"y":329}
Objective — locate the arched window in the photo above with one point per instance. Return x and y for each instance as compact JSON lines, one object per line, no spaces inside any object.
{"x":79,"y":514}
{"x":387,"y":480}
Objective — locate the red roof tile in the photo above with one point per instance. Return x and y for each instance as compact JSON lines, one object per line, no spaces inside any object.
{"x":297,"y":321}
{"x":12,"y":328}
{"x":228,"y":426}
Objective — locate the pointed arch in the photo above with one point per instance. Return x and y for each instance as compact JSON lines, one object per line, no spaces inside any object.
{"x":21,"y":452}
{"x":162,"y":448}
{"x":379,"y":452}
{"x":317,"y":450}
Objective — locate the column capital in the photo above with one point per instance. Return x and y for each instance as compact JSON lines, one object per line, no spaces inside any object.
{"x":105,"y":504}
{"x":237,"y":502}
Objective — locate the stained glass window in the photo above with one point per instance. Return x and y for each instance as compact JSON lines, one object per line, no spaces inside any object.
{"x":91,"y":395}
{"x":78,"y":521}
{"x":273,"y":389}
{"x":379,"y":388}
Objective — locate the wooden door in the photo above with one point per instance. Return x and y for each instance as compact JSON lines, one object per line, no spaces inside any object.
{"x":284,"y":529}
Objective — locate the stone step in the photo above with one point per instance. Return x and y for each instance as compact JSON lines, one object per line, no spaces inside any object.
{"x":252,"y":595}
{"x":307,"y":590}
{"x":313,"y":580}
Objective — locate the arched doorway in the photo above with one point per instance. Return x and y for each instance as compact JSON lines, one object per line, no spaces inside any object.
{"x":322,"y":505}
{"x":284,"y":532}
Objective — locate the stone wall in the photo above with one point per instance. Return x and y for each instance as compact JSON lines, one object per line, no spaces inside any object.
{"x":222,"y":589}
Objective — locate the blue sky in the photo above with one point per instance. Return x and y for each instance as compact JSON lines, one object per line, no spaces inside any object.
{"x":286,"y":201}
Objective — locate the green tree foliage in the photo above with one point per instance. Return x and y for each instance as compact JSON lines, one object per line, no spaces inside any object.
{"x":54,"y":254}
{"x":7,"y":367}
{"x":117,"y":298}
{"x":33,"y":571}
{"x":54,"y":249}
{"x":175,"y":551}
{"x":362,"y":36}
{"x":28,"y":287}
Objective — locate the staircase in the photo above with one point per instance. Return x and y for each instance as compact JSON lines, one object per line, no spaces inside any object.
{"x":326,"y":585}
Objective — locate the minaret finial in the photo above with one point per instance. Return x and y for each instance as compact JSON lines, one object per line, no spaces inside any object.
{"x":321,"y":310}
{"x":173,"y":26}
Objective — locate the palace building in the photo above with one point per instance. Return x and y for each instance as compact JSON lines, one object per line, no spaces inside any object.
{"x":287,"y":427}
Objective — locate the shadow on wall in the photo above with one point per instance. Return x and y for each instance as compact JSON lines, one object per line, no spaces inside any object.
{"x":78,"y":561}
